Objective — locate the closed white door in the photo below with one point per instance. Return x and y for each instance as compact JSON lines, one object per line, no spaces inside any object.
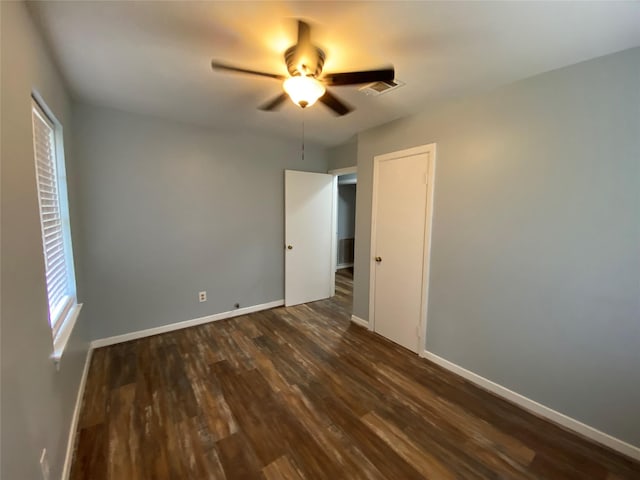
{"x":308,"y":236}
{"x":398,"y":248}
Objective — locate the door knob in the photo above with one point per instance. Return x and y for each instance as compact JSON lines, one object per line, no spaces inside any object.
{"x":378,"y":259}
{"x":289,"y":247}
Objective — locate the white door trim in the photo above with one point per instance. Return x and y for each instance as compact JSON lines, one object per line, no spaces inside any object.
{"x":334,"y":234}
{"x":343,"y":171}
{"x":429,"y":149}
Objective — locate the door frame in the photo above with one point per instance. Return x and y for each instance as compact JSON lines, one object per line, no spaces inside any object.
{"x":334,"y":224}
{"x":430,"y":150}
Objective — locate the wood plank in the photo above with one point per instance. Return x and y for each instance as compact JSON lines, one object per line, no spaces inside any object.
{"x":385,"y":459}
{"x":329,"y":441}
{"x":245,"y":395}
{"x":122,"y":364}
{"x":95,"y":400}
{"x":124,"y":459}
{"x":478,"y":429}
{"x":148,"y":423}
{"x":417,"y":457}
{"x":281,"y":469}
{"x":90,"y":459}
{"x":238,"y":458}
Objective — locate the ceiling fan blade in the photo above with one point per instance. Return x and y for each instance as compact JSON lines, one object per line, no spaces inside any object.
{"x":230,"y":68}
{"x":335,"y":104}
{"x":355,"y":78}
{"x":274,"y":103}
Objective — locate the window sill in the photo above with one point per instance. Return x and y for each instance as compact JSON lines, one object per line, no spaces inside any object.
{"x":60,"y":342}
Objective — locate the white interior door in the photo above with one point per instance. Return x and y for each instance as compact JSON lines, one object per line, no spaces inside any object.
{"x":309,"y":242}
{"x":399,"y":248}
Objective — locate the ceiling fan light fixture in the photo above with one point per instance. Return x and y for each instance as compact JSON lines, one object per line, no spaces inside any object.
{"x":303,"y":90}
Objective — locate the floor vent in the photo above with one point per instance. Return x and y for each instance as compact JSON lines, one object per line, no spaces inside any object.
{"x":378,"y":88}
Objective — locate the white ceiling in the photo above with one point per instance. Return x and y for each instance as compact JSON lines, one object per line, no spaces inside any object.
{"x":154,"y":57}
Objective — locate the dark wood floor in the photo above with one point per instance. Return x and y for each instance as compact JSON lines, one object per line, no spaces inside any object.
{"x":299,"y":392}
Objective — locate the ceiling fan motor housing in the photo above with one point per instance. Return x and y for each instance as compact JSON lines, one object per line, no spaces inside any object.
{"x":304,"y":60}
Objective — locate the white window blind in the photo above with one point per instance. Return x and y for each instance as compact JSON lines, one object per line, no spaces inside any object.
{"x":57,"y":255}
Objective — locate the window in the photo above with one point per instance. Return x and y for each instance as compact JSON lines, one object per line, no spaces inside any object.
{"x":54,"y":222}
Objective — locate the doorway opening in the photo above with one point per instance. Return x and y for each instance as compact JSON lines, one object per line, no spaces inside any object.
{"x":346,"y":181}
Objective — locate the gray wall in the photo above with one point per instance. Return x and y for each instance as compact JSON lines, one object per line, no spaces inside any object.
{"x":37,"y":401}
{"x":345,"y":155}
{"x":170,"y":209}
{"x":535,"y":267}
{"x":346,"y":211}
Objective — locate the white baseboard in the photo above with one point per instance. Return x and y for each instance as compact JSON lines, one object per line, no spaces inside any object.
{"x":344,"y":265}
{"x":538,"y":409}
{"x":103,"y":342}
{"x":66,"y":469}
{"x":360,"y":321}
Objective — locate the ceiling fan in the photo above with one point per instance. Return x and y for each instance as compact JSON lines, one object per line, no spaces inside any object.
{"x":306,"y":82}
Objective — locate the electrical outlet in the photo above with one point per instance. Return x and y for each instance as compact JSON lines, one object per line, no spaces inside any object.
{"x":44,"y":464}
{"x":202,"y":296}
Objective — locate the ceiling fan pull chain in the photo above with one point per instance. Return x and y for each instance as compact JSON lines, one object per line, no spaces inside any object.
{"x":303,"y":134}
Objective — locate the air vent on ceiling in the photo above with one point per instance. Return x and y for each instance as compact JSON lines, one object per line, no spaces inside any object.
{"x":378,"y":88}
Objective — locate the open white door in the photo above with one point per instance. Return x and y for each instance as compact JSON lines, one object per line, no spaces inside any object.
{"x":308,"y":207}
